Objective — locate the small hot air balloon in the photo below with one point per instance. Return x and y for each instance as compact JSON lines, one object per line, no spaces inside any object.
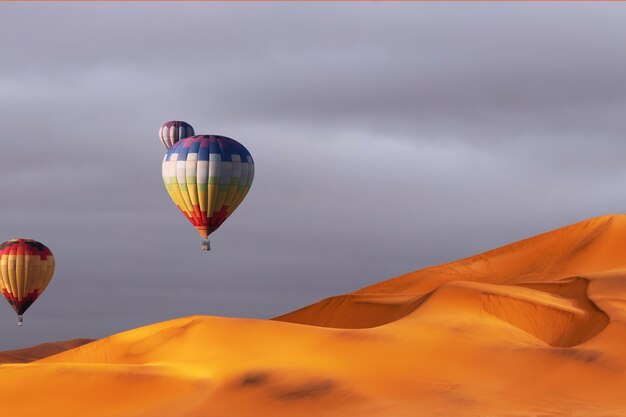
{"x":172,"y":132}
{"x":207,"y":177}
{"x":26,"y":268}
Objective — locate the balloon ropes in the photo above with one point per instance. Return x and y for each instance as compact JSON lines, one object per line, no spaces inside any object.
{"x":207,"y":177}
{"x":26,"y":268}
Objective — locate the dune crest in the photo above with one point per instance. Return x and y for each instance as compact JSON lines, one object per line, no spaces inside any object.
{"x":43,"y":350}
{"x":579,"y":250}
{"x":533,"y":328}
{"x":560,"y":316}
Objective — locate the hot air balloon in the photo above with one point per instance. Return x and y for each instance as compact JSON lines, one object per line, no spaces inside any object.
{"x":172,"y":132}
{"x":26,"y":268}
{"x":207,"y":177}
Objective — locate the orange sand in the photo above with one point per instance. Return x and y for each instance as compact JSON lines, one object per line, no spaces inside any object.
{"x":536,"y":328}
{"x":43,"y":350}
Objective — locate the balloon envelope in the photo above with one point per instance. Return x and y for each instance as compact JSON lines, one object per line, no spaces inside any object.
{"x":173,"y":131}
{"x":26,"y":268}
{"x":207,"y":177}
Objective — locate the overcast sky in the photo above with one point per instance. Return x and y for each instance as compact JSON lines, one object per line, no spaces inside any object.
{"x":387,"y":138}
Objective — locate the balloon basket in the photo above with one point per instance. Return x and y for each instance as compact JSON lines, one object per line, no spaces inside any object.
{"x":205,"y":246}
{"x":20,"y":320}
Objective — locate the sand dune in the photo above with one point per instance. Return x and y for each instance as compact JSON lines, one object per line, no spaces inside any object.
{"x":536,"y":328}
{"x":43,"y":350}
{"x":574,"y":251}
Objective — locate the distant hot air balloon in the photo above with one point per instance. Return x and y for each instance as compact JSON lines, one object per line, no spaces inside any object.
{"x":172,"y":132}
{"x":207,"y":177}
{"x":26,"y":268}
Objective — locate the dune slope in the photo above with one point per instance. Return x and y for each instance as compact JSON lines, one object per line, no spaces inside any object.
{"x":43,"y":350}
{"x":536,"y":328}
{"x":577,"y":250}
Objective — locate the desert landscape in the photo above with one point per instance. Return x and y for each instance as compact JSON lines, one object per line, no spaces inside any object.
{"x":183,"y":181}
{"x":534,"y":328}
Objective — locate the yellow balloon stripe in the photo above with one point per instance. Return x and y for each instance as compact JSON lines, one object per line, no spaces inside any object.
{"x":207,"y":177}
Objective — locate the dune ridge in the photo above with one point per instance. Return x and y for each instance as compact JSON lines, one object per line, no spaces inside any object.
{"x":573,"y":251}
{"x":40,"y":351}
{"x":535,"y":328}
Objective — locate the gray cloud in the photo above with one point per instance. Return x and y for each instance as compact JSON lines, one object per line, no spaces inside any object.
{"x":387,"y":137}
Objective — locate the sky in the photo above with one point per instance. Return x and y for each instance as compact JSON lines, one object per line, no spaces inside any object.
{"x":386,"y":138}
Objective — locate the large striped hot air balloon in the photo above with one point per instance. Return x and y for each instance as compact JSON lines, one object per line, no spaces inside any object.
{"x":172,"y":132}
{"x":207,"y":177}
{"x":26,"y":268}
